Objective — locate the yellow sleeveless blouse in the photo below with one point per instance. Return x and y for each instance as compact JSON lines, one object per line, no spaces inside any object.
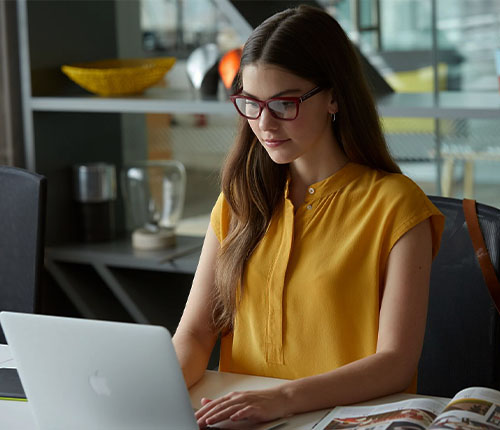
{"x":312,"y":286}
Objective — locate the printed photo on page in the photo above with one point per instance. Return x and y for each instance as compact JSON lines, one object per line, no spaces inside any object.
{"x":470,"y":409}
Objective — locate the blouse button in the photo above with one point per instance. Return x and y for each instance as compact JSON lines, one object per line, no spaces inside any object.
{"x":309,"y":207}
{"x":311,"y":190}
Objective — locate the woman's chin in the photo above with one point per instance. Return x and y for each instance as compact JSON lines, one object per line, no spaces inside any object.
{"x":279,"y":158}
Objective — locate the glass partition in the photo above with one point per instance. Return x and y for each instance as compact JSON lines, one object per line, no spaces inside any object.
{"x":443,"y":153}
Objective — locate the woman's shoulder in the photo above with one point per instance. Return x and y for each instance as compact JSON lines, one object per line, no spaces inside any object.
{"x":397,"y":199}
{"x":399,"y":184}
{"x":220,"y":217}
{"x":382,"y":183}
{"x":390,"y":192}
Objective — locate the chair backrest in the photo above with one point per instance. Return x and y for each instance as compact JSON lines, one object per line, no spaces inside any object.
{"x":462,"y":339}
{"x":22,"y":224}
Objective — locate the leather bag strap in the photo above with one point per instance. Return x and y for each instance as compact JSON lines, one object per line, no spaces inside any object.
{"x":482,"y":254}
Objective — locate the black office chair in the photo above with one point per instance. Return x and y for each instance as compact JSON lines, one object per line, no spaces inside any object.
{"x":462,"y":339}
{"x":22,"y":221}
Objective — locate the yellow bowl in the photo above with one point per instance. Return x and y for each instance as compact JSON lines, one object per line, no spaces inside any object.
{"x":118,"y":77}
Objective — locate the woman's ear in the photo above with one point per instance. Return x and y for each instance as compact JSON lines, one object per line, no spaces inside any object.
{"x":333,"y":106}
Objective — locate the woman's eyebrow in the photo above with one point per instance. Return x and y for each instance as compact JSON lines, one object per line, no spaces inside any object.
{"x":281,"y":93}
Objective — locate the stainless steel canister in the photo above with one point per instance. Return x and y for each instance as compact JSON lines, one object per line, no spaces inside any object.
{"x":94,"y":190}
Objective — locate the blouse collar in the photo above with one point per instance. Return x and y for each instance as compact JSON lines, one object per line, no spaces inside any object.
{"x":333,"y":183}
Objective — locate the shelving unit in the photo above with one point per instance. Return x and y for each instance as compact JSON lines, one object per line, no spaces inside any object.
{"x":114,"y":280}
{"x":451,"y":105}
{"x":65,"y":127}
{"x":160,"y":100}
{"x":154,"y":100}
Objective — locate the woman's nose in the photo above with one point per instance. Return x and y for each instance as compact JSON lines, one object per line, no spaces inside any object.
{"x":267,"y":121}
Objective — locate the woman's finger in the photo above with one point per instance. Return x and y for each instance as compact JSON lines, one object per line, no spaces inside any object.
{"x":223,"y":414}
{"x":249,"y":412}
{"x":208,"y":404}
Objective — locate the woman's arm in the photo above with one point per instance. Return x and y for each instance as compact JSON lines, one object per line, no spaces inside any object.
{"x":391,"y":369}
{"x":194,"y":338}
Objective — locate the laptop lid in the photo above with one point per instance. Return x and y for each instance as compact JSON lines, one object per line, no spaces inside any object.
{"x":86,"y":374}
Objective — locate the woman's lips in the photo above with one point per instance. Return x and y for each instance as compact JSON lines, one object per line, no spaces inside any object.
{"x":273,"y":143}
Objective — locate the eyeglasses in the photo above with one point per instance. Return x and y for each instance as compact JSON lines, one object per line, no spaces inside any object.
{"x":284,"y":108}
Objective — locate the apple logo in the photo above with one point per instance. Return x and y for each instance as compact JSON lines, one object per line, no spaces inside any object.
{"x":99,"y":384}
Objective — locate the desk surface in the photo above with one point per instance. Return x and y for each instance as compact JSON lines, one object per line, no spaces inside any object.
{"x":18,"y":415}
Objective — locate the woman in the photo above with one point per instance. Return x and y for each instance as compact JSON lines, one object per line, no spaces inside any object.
{"x":316,"y":264}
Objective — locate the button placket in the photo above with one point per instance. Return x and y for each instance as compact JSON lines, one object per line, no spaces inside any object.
{"x":310,"y":198}
{"x":275,"y":288}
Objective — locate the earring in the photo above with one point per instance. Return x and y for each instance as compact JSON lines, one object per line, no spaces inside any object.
{"x":332,"y":115}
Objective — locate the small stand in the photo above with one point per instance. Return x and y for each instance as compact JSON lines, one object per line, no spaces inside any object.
{"x":150,"y":239}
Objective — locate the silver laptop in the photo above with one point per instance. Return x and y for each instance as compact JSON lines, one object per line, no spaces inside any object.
{"x":100,"y":375}
{"x":84,"y":374}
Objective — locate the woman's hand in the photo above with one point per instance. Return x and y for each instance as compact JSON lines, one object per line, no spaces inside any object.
{"x":254,"y":406}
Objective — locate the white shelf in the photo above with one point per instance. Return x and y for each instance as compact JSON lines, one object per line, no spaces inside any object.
{"x":450,"y":105}
{"x":154,"y":100}
{"x":164,"y":100}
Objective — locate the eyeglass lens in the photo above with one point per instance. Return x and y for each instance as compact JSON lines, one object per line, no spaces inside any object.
{"x":279,"y":108}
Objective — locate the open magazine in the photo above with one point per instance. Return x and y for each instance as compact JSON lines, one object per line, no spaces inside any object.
{"x":470,"y":409}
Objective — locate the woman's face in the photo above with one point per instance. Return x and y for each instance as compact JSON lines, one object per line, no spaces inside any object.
{"x":309,"y":135}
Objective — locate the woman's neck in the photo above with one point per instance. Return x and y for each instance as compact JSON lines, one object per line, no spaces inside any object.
{"x":303,"y":175}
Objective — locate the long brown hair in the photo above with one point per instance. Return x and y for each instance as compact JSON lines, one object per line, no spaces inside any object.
{"x":309,"y":43}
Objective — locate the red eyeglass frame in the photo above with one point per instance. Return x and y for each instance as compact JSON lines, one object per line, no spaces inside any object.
{"x":265,"y":103}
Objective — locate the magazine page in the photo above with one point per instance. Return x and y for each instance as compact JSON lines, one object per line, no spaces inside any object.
{"x":471,"y":409}
{"x":413,"y":414}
